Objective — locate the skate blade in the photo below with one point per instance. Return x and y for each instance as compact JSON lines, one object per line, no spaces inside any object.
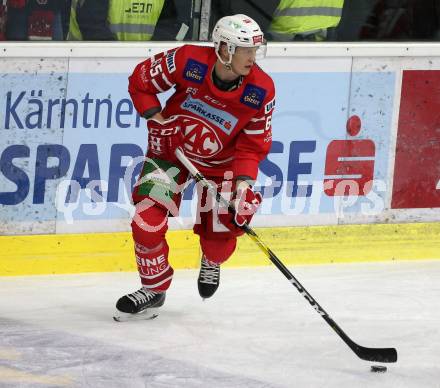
{"x":142,"y":316}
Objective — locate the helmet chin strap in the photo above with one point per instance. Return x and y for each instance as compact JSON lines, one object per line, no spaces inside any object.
{"x":227,"y":64}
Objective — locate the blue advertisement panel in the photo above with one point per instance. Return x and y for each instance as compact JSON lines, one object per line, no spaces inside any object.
{"x":67,"y":143}
{"x":331,"y":141}
{"x":32,"y":160}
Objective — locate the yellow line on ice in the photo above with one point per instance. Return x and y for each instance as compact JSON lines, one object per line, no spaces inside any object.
{"x":9,"y":354}
{"x":108,"y":252}
{"x":9,"y":375}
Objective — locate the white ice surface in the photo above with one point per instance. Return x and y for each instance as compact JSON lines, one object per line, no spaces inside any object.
{"x":257,"y":331}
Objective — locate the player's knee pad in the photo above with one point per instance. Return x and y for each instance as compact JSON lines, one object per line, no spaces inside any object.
{"x":216,"y":240}
{"x":209,"y":227}
{"x":207,"y":222}
{"x":149,"y":225}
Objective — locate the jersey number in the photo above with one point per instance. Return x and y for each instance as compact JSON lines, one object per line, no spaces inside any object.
{"x":156,"y":67}
{"x":268,"y":122}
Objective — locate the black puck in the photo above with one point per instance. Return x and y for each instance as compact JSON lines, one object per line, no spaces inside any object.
{"x":378,"y":368}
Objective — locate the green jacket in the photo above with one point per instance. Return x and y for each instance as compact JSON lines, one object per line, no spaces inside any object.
{"x":294,"y":17}
{"x":114,"y":19}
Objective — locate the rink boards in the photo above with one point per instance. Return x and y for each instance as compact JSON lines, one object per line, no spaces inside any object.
{"x":68,"y":131}
{"x":107,"y":252}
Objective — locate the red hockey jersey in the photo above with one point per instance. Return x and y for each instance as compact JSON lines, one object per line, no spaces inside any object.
{"x":223,"y":130}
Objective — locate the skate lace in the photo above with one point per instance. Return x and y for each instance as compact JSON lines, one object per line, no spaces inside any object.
{"x":209,"y":273}
{"x":141,"y":296}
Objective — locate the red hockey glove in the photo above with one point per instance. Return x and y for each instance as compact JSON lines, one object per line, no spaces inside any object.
{"x":164,"y":138}
{"x":245,"y":202}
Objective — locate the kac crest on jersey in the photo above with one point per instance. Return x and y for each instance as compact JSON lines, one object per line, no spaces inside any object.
{"x":195,"y":71}
{"x":253,"y":96}
{"x":201,"y":140}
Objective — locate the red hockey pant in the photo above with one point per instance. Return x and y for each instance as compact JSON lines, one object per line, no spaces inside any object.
{"x":149,"y":227}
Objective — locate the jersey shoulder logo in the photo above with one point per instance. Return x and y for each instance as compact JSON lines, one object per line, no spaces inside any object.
{"x":269,"y":106}
{"x":195,"y":71}
{"x":171,"y":60}
{"x":253,"y":96}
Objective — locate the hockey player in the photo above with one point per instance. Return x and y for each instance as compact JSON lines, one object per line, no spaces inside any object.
{"x":220,"y":116}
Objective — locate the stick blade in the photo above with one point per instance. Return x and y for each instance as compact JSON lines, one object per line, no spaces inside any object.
{"x":376,"y":354}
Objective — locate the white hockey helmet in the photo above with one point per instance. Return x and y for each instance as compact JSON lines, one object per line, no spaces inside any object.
{"x":238,"y":30}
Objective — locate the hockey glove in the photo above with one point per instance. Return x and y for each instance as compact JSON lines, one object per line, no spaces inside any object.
{"x":164,"y":138}
{"x":245,"y":202}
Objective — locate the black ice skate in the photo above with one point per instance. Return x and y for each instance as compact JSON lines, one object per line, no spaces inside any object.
{"x":209,"y":278}
{"x":141,"y":304}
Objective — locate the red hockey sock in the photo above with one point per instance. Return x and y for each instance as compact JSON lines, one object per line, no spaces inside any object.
{"x":149,"y":227}
{"x":219,"y":250}
{"x":155,"y":271}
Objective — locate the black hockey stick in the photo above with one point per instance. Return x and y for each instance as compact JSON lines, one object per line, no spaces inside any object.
{"x":368,"y":354}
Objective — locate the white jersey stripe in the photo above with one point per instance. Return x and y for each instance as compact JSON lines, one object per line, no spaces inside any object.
{"x":167,"y":81}
{"x":143,"y":249}
{"x":211,"y":163}
{"x":222,"y":161}
{"x":255,"y":120}
{"x":156,"y":85}
{"x":253,"y":131}
{"x":157,"y":284}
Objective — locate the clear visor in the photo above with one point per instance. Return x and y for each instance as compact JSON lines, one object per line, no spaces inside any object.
{"x":260,"y":50}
